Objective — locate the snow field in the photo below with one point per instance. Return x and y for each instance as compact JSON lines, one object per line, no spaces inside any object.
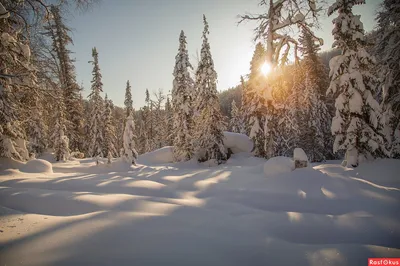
{"x":189,"y":214}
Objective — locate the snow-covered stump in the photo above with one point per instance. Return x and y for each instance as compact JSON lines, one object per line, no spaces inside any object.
{"x":300,"y":158}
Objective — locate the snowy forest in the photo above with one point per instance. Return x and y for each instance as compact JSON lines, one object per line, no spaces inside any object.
{"x":349,"y":109}
{"x":297,"y":163}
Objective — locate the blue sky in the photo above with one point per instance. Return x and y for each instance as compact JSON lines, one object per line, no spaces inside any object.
{"x":138,"y":40}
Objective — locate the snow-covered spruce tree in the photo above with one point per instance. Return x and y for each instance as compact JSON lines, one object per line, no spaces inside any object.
{"x":387,"y":50}
{"x":316,"y":136}
{"x":16,"y":74}
{"x":159,"y":120}
{"x":244,"y":107}
{"x":130,"y":153}
{"x":143,"y":145}
{"x":59,"y":139}
{"x":96,"y":121}
{"x":182,"y":104}
{"x":87,"y":111}
{"x":255,"y":104}
{"x":209,"y":124}
{"x":149,"y":123}
{"x":169,"y":124}
{"x":290,"y":113}
{"x":36,"y":129}
{"x":315,"y":113}
{"x":356,"y":123}
{"x":109,"y":131}
{"x":128,"y":100}
{"x":236,"y":121}
{"x":59,"y":32}
{"x":119,"y":125}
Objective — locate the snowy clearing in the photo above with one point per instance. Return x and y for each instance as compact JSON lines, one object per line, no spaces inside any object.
{"x":189,"y":214}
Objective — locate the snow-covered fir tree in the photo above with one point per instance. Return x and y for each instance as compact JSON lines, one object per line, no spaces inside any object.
{"x":149,"y":125}
{"x":130,"y":153}
{"x":128,"y":99}
{"x":387,"y":51}
{"x":158,"y":120}
{"x":255,"y":104}
{"x":244,"y":107}
{"x":59,"y":139}
{"x":290,"y":113}
{"x":16,"y":74}
{"x":169,"y":124}
{"x":182,"y":104}
{"x":109,"y":131}
{"x":356,"y":124}
{"x":316,"y":136}
{"x":209,"y":124}
{"x":315,"y":113}
{"x":236,"y":122}
{"x":96,"y":120}
{"x":67,"y":78}
{"x":119,"y":118}
{"x":143,"y":144}
{"x":36,"y":129}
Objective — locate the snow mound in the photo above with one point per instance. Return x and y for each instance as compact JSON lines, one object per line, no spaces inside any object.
{"x":163,"y":155}
{"x":37,"y":166}
{"x":299,"y":155}
{"x":237,"y":142}
{"x":278,"y":165}
{"x":32,"y":166}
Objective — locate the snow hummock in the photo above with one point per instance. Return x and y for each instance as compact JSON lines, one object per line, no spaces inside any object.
{"x":237,"y":142}
{"x":37,"y":166}
{"x":163,"y":155}
{"x":278,"y":165}
{"x":299,"y":155}
{"x":31,"y":166}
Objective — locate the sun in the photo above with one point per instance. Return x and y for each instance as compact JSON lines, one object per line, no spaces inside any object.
{"x":265,"y":68}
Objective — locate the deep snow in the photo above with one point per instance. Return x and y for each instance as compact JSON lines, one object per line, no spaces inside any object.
{"x":190,"y":214}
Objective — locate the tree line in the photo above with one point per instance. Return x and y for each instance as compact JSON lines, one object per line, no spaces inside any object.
{"x":350,"y":109}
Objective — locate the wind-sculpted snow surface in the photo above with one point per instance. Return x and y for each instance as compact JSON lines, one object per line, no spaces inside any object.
{"x":190,"y":214}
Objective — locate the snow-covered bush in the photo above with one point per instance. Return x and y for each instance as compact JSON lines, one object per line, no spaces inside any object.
{"x":237,"y":142}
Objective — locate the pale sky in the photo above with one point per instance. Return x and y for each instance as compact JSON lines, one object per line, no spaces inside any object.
{"x":138,"y":40}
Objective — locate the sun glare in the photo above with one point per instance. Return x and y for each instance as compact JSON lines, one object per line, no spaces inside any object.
{"x":265,"y":68}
